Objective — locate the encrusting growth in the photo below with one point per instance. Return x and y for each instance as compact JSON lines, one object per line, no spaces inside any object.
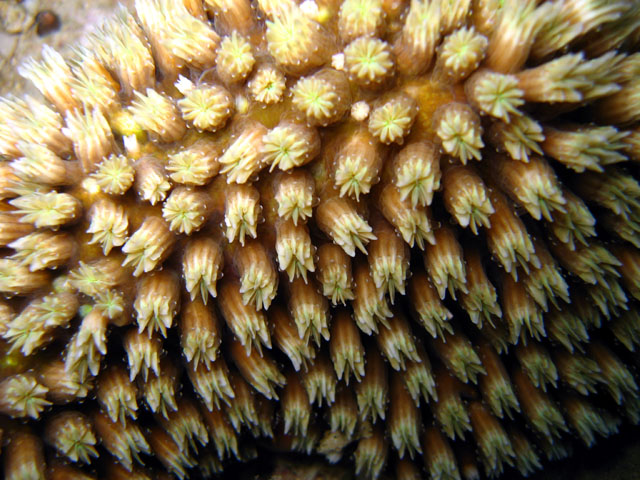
{"x":401,"y":236}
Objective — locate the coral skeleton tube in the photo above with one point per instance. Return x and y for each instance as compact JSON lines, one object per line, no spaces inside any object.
{"x":233,"y":15}
{"x":186,"y":426}
{"x":322,"y":98}
{"x":538,"y":408}
{"x":341,"y":222}
{"x":508,"y":238}
{"x":494,"y":443}
{"x":52,"y":77}
{"x":258,"y":280}
{"x":532,"y":185}
{"x":419,"y":378}
{"x":64,"y":387}
{"x":396,"y":342}
{"x":117,"y":395}
{"x":115,"y":174}
{"x":195,"y":165}
{"x":202,"y":267}
{"x":295,"y":195}
{"x":458,"y":354}
{"x":520,"y":137}
{"x":621,"y":383}
{"x":587,"y":421}
{"x":261,"y":373}
{"x":520,"y":312}
{"x":347,"y":352}
{"x":234,"y":59}
{"x":157,"y":302}
{"x":546,"y":284}
{"x":496,"y":385}
{"x":148,"y":246}
{"x":513,"y":34}
{"x":415,"y":47}
{"x":243,"y":410}
{"x":244,"y":156}
{"x":404,"y":420}
{"x":392,"y":119}
{"x":494,"y":94}
{"x":459,"y":131}
{"x":445,"y":264}
{"x":460,"y":54}
{"x":429,"y":309}
{"x":389,"y":260}
{"x":200,"y":333}
{"x":290,"y":144}
{"x":309,"y":310}
{"x":158,"y":115}
{"x":295,"y":250}
{"x":159,"y":391}
{"x":185,"y":210}
{"x":413,"y":222}
{"x":481,"y":301}
{"x":39,"y":164}
{"x":88,"y":345}
{"x":206,"y":107}
{"x":71,"y":434}
{"x":370,"y":304}
{"x":169,"y":453}
{"x":320,"y":381}
{"x":372,"y":392}
{"x":369,"y":61}
{"x":248,"y":325}
{"x":449,"y":410}
{"x":24,"y":457}
{"x":22,"y":396}
{"x":439,"y":456}
{"x":466,"y":197}
{"x":267,"y":84}
{"x":212,"y":384}
{"x":295,"y":41}
{"x":109,"y":225}
{"x":242,"y":210}
{"x":124,"y":443}
{"x":357,"y":166}
{"x":295,"y":406}
{"x":151,"y":180}
{"x":360,"y":18}
{"x":371,"y":454}
{"x":286,"y":338}
{"x":526,"y":456}
{"x":343,"y":413}
{"x":417,"y":173}
{"x":580,"y":372}
{"x":334,"y":273}
{"x":47,"y":209}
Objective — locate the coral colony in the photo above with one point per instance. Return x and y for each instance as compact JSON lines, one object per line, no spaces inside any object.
{"x":400,"y":235}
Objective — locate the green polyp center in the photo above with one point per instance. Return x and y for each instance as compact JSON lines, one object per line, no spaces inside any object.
{"x":463,"y":49}
{"x":366,"y":60}
{"x":313,"y":98}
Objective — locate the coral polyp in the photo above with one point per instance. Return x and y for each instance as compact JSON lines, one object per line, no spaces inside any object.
{"x":399,"y":236}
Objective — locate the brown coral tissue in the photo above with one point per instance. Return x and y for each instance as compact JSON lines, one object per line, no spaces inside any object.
{"x":400,"y":236}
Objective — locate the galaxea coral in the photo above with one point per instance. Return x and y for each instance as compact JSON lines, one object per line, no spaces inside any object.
{"x":400,"y":234}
